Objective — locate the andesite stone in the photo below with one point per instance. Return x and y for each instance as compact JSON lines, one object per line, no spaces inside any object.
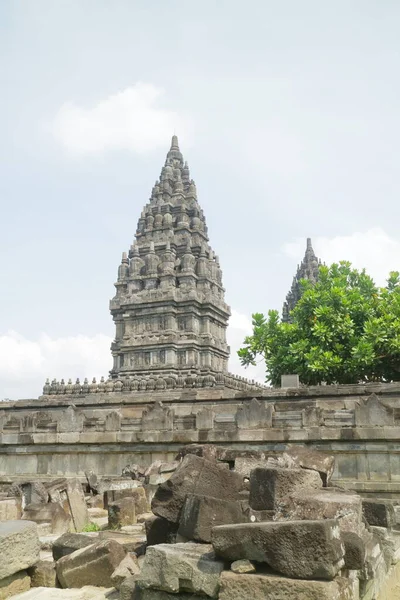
{"x":70,"y":542}
{"x":51,"y":513}
{"x":14,"y":584}
{"x":379,"y":512}
{"x":300,"y":549}
{"x":269,"y":486}
{"x":20,"y":545}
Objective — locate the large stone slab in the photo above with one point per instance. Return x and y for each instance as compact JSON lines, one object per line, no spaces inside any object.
{"x":128,"y":567}
{"x":160,"y":531}
{"x":19,"y":546}
{"x":10,"y":509}
{"x":14,"y":584}
{"x":308,"y":458}
{"x":69,"y":494}
{"x":130,"y":541}
{"x":379,"y":512}
{"x":93,"y":565}
{"x":51,"y":513}
{"x":70,"y":542}
{"x":269,"y":486}
{"x":273,"y":587}
{"x":201,"y":513}
{"x":325,"y":503}
{"x":137,"y":493}
{"x":300,"y":549}
{"x":86,"y":593}
{"x":195,"y":475}
{"x":178,"y":568}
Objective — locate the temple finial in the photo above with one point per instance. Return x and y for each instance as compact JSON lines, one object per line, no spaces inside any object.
{"x":309,"y":245}
{"x":174,"y":143}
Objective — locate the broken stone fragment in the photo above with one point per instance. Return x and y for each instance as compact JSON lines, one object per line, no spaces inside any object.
{"x":48,"y":513}
{"x":308,"y":458}
{"x":253,"y":586}
{"x":70,"y":542}
{"x":201,"y":513}
{"x":178,"y":568}
{"x":43,"y":574}
{"x":160,"y":531}
{"x":137,"y":493}
{"x":14,"y":584}
{"x":300,"y":549}
{"x":121,"y":513}
{"x":269,"y":486}
{"x":379,"y":512}
{"x":198,"y":476}
{"x":354,"y":550}
{"x":128,"y":567}
{"x":93,"y":565}
{"x":19,"y":547}
{"x":243,"y":566}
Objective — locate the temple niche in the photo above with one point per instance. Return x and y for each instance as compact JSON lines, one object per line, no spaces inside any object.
{"x":169,"y":309}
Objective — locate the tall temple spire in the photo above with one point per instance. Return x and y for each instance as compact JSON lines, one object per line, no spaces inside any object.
{"x":169,"y":308}
{"x":308,"y":269}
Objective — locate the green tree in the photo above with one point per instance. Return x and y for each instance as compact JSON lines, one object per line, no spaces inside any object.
{"x":344,"y":329}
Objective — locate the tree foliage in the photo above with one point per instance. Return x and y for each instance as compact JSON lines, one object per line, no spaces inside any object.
{"x":344,"y":329}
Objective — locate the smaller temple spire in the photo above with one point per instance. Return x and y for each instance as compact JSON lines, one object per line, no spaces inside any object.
{"x":174,"y":153}
{"x":308,"y":269}
{"x":174,"y":143}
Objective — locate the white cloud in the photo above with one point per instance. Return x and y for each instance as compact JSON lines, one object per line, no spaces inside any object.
{"x":373,"y":250}
{"x":25,"y":364}
{"x":128,"y":120}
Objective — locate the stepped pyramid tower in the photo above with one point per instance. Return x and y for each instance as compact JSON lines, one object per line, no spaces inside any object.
{"x":169,"y":308}
{"x":308,"y":269}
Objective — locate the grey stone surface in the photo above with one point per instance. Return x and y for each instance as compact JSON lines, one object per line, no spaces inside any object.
{"x":195,"y":476}
{"x":269,"y":486}
{"x":51,"y":513}
{"x":182,"y":568}
{"x":14,"y":584}
{"x":308,"y":458}
{"x":93,"y":565}
{"x":137,"y":493}
{"x":68,"y":543}
{"x":300,"y":549}
{"x":143,"y":594}
{"x":160,"y":531}
{"x":379,"y":512}
{"x":273,"y":587}
{"x":121,"y":512}
{"x":354,"y":550}
{"x":19,"y":546}
{"x":43,"y":574}
{"x":201,"y":513}
{"x":69,"y":494}
{"x":128,"y":567}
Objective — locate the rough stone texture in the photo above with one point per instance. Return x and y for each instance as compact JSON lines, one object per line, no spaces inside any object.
{"x":128,"y":567}
{"x":195,"y":476}
{"x":128,"y":589}
{"x":201,"y":513}
{"x":326,"y":503}
{"x":354,"y":550}
{"x":308,"y":458}
{"x":70,"y":542}
{"x":379,"y":512}
{"x":14,"y":584}
{"x":137,"y":493}
{"x":131,"y":542}
{"x":69,"y":494}
{"x":43,"y":574}
{"x":243,"y":566}
{"x":86,"y":593}
{"x":121,"y":513}
{"x":182,"y":568}
{"x":19,"y":543}
{"x":51,"y":513}
{"x":269,"y":486}
{"x":160,"y":531}
{"x":10,"y":509}
{"x":303,"y":549}
{"x":273,"y":587}
{"x":143,"y":594}
{"x":93,"y":565}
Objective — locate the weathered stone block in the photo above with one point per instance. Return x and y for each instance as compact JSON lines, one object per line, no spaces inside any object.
{"x":354,"y":550}
{"x":143,"y":594}
{"x":48,"y":513}
{"x":121,"y":513}
{"x":69,"y":494}
{"x":308,"y":458}
{"x":19,"y":546}
{"x":269,"y":486}
{"x":86,"y":593}
{"x":131,"y":542}
{"x":201,"y":513}
{"x":10,"y":509}
{"x":137,"y":493}
{"x":379,"y":512}
{"x":128,"y":567}
{"x":182,"y":568}
{"x":43,"y":574}
{"x":303,"y":549}
{"x":93,"y":565}
{"x":195,"y":476}
{"x":14,"y":584}
{"x":325,"y":503}
{"x":273,"y":587}
{"x":70,"y":542}
{"x":160,"y":531}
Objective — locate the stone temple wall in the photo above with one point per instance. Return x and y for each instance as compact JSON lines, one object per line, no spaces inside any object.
{"x":103,"y":432}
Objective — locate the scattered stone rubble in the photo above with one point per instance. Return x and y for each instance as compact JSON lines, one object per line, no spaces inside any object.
{"x":223,"y":525}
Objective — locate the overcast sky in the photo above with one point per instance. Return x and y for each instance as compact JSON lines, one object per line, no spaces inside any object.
{"x":287,"y":112}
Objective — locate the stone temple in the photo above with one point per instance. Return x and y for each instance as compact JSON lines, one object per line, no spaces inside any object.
{"x":308,"y":269}
{"x":169,"y":309}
